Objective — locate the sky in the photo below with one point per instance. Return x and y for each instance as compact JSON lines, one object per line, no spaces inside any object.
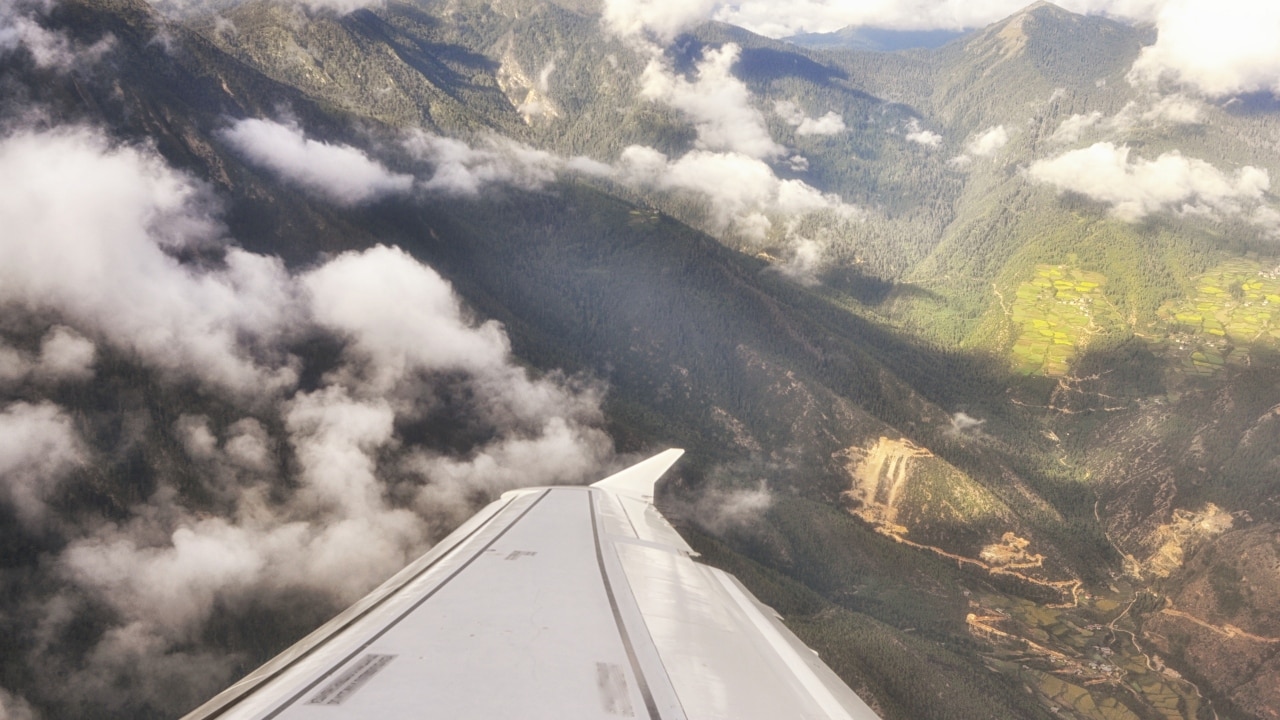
{"x":1219,"y":47}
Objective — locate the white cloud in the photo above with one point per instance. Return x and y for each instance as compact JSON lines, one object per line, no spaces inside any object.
{"x":663,"y":19}
{"x":920,"y":136}
{"x":743,"y":191}
{"x":1218,"y":47}
{"x":460,"y":169}
{"x":66,"y":355}
{"x":718,"y":103}
{"x":14,"y":707}
{"x":1138,"y":188}
{"x":86,"y":227}
{"x":401,"y":316}
{"x":1070,"y":130}
{"x":341,"y":174}
{"x":988,"y":142}
{"x":1176,"y":109}
{"x":721,"y":510}
{"x":38,"y":447}
{"x":776,"y":19}
{"x":89,"y":227}
{"x":962,"y":424}
{"x":829,"y":124}
{"x":21,"y":29}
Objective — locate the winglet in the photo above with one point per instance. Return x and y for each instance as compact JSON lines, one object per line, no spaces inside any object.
{"x":638,"y":480}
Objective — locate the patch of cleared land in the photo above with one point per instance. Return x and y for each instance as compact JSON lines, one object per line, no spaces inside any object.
{"x":1055,"y":313}
{"x":1236,"y":307}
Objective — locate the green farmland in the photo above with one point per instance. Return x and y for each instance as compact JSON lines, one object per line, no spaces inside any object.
{"x":1055,"y":314}
{"x":1236,"y":306}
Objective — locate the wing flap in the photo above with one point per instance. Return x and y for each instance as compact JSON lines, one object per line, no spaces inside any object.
{"x":552,"y":603}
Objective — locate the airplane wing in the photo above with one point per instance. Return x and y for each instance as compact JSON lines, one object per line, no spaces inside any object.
{"x":561,"y":603}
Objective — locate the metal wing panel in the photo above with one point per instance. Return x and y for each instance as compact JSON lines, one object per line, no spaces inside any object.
{"x":272,"y":669}
{"x":551,"y":603}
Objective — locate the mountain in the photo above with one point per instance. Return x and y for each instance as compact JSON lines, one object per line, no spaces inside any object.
{"x":875,"y":39}
{"x":978,"y":429}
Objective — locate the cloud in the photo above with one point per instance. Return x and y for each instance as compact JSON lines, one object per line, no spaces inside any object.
{"x":460,"y":169}
{"x":324,"y":490}
{"x":720,"y":509}
{"x":65,"y":356}
{"x":87,"y":225}
{"x":341,"y":174}
{"x":401,"y":317}
{"x":829,"y":124}
{"x":20,"y":29}
{"x":920,"y":136}
{"x":1216,"y":48}
{"x":988,"y":142}
{"x":1138,"y":188}
{"x":743,"y":191}
{"x":775,"y":19}
{"x":1070,"y":130}
{"x":718,"y":103}
{"x":963,"y":423}
{"x":14,"y":707}
{"x":39,"y":446}
{"x":662,"y":20}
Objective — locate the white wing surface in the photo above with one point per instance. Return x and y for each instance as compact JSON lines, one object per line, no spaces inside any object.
{"x":557,"y":603}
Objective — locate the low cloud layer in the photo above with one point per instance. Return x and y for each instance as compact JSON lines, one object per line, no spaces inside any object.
{"x":457,"y":168}
{"x":745,"y":197}
{"x":341,"y":174}
{"x":718,"y":104}
{"x":323,"y":490}
{"x":831,"y":123}
{"x":1137,"y":188}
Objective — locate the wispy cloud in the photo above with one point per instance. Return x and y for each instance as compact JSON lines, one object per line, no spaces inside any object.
{"x":719,"y":104}
{"x":832,"y":123}
{"x":458,"y":168}
{"x":921,"y":136}
{"x":22,"y":30}
{"x":339,"y":173}
{"x":1137,"y":188}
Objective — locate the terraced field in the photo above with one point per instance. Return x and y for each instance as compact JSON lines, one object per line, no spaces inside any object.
{"x":1081,"y":659}
{"x":1236,"y":307}
{"x":1055,"y":314}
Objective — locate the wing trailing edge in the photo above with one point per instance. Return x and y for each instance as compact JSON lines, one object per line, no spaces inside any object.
{"x":552,"y":603}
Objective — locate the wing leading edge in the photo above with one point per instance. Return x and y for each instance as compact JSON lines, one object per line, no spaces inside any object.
{"x":564,"y":602}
